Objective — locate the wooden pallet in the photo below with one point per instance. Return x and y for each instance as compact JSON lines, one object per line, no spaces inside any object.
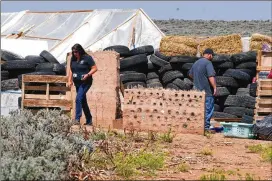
{"x":48,"y":98}
{"x":264,"y":62}
{"x":264,"y":99}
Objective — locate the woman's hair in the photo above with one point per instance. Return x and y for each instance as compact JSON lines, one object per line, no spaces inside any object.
{"x":80,"y":50}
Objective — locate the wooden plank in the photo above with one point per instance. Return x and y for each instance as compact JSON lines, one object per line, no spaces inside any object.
{"x":264,"y":100}
{"x":45,"y":78}
{"x":263,"y":68}
{"x":43,"y":97}
{"x":227,"y":119}
{"x":51,"y":88}
{"x":263,"y":110}
{"x":47,"y":103}
{"x":258,"y":117}
{"x":264,"y":93}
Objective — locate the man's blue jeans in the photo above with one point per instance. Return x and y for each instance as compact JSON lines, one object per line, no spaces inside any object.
{"x":209,"y":108}
{"x":81,"y":102}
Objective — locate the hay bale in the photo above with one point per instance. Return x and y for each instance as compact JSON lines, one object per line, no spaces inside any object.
{"x":260,"y":37}
{"x":178,"y":45}
{"x":229,"y":44}
{"x":257,"y":41}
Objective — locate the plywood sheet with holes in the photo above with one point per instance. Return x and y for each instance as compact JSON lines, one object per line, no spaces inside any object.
{"x":103,"y":95}
{"x":161,"y":109}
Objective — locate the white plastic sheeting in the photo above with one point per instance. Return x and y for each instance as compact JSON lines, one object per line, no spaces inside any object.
{"x":24,"y":47}
{"x":9,"y":101}
{"x":94,"y":30}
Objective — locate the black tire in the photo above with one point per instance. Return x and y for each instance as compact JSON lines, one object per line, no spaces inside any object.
{"x":187,"y":66}
{"x":133,"y":77}
{"x":131,"y":85}
{"x":121,"y":49}
{"x":247,"y":119}
{"x":226,"y":81}
{"x":152,"y":75}
{"x":172,"y":86}
{"x":33,"y":73}
{"x":170,"y":76}
{"x":158,"y":61}
{"x":221,"y":58}
{"x":4,"y":75}
{"x":240,"y":101}
{"x":9,"y":56}
{"x":183,"y":59}
{"x":154,"y":85}
{"x":242,"y":92}
{"x":151,"y":81}
{"x":51,"y":67}
{"x":19,"y":65}
{"x":222,"y":91}
{"x":9,"y":84}
{"x":248,"y":71}
{"x":246,"y":65}
{"x":222,"y":115}
{"x":189,"y":82}
{"x":220,"y":101}
{"x":253,"y":89}
{"x":217,"y":108}
{"x":141,"y":68}
{"x":181,"y":84}
{"x":165,"y":68}
{"x":237,"y":111}
{"x":237,"y":74}
{"x":133,"y":61}
{"x":244,"y":57}
{"x":48,"y":57}
{"x":162,"y":56}
{"x":249,"y":112}
{"x":152,"y":67}
{"x":225,"y":65}
{"x":35,"y":58}
{"x":19,"y":102}
{"x":147,"y":49}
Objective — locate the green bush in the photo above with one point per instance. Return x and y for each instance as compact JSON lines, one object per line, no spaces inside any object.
{"x":40,"y":147}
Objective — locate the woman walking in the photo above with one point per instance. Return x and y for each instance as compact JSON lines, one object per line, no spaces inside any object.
{"x":82,"y":68}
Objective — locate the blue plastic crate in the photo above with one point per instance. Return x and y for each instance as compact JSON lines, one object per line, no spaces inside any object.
{"x":239,"y":130}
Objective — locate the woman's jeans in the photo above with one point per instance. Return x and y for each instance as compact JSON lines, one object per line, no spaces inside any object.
{"x":81,"y":102}
{"x":209,"y":108}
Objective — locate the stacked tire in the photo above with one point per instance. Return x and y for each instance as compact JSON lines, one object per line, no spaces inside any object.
{"x":235,"y":93}
{"x":13,"y":66}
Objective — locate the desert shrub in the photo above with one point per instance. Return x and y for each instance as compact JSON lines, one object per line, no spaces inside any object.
{"x":40,"y":146}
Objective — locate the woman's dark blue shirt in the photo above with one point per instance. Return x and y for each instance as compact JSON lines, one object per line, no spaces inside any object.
{"x":82,"y":67}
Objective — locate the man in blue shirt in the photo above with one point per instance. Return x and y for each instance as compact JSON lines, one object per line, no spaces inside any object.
{"x":203,"y":75}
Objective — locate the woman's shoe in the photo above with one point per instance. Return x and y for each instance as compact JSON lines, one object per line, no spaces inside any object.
{"x":88,"y":124}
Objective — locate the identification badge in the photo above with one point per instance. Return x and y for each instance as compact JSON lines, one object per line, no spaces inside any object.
{"x":75,"y":75}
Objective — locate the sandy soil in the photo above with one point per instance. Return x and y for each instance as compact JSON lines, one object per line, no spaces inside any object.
{"x":229,"y":156}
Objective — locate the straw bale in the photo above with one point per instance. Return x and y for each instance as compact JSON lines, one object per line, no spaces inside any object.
{"x":186,"y":40}
{"x":179,"y":45}
{"x":257,"y":41}
{"x":262,"y":38}
{"x":172,"y":49}
{"x":229,"y":44}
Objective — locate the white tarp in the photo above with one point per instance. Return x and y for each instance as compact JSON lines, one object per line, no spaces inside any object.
{"x":24,"y":47}
{"x":9,"y":101}
{"x":94,"y":30}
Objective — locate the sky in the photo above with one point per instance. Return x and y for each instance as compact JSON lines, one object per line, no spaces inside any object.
{"x":164,"y":10}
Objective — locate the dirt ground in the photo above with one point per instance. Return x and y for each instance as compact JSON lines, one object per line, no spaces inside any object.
{"x":230,"y":157}
{"x":229,"y":154}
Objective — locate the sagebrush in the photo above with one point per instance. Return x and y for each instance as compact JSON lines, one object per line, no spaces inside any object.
{"x":40,"y":146}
